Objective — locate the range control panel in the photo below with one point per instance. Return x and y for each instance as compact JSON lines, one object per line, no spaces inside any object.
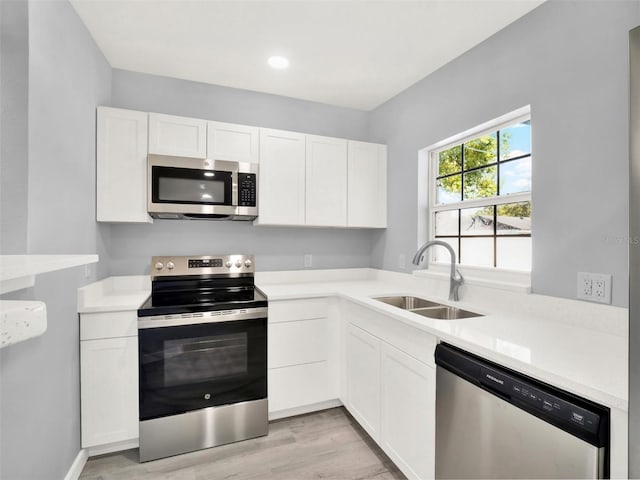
{"x":202,"y":265}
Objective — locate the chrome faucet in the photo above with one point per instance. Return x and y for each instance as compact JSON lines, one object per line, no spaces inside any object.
{"x":455,"y":277}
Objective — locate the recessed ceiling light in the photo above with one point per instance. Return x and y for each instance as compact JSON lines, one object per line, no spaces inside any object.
{"x":278,"y":62}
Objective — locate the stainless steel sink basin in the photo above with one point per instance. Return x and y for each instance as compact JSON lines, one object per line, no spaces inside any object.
{"x":407,"y":303}
{"x":445,"y":313}
{"x":427,"y":308}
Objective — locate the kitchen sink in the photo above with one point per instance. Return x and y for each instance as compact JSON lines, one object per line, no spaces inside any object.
{"x":427,"y":308}
{"x":408,"y":303}
{"x":445,"y":313}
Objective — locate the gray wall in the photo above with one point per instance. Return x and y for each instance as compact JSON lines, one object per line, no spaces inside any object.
{"x":568,"y":60}
{"x":68,"y":77}
{"x":14,"y":58}
{"x":275,"y":248}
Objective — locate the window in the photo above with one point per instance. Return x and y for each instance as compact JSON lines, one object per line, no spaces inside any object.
{"x":480,"y":196}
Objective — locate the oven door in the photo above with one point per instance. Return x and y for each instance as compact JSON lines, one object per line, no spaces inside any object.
{"x":192,"y":186}
{"x":185,"y":367}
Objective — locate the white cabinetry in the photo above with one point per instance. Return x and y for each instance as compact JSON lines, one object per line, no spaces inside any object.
{"x":302,"y":365}
{"x":408,"y":408}
{"x":282,"y":178}
{"x":326,"y":181}
{"x":177,"y":136}
{"x":390,"y":387}
{"x":367,"y":185}
{"x":109,"y":380}
{"x":121,"y":166}
{"x":236,"y":143}
{"x":321,"y":181}
{"x":363,"y":379}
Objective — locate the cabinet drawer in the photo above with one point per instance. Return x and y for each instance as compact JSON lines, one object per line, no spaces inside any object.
{"x":294,"y":343}
{"x":300,"y":385}
{"x":108,"y":325}
{"x":289,"y":310}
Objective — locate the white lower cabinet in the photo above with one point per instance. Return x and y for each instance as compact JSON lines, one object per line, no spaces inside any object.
{"x":108,"y":380}
{"x":302,"y":369}
{"x":363,"y":379}
{"x":408,"y":408}
{"x":390,"y":392}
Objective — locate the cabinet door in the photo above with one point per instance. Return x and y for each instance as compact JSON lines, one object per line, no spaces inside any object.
{"x":121,"y":166}
{"x":109,"y":390}
{"x":408,"y":413}
{"x":282,"y":177}
{"x":178,"y":136}
{"x":236,"y":143}
{"x":326,"y":181}
{"x":363,"y":379}
{"x":367,"y":185}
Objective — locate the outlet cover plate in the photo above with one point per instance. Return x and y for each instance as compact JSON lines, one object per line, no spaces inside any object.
{"x":594,"y":287}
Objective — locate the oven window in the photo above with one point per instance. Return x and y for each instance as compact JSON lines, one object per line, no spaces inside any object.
{"x":191,"y":186}
{"x":192,"y":360}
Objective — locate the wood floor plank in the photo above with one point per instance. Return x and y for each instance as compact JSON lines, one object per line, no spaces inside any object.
{"x":327,"y":444}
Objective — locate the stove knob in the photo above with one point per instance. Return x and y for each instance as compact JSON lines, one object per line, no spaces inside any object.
{"x":159,"y":266}
{"x":229,"y":264}
{"x":170,"y":265}
{"x":238,"y":263}
{"x":247,"y":263}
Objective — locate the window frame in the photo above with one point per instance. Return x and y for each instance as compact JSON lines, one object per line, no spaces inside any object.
{"x":431,"y":156}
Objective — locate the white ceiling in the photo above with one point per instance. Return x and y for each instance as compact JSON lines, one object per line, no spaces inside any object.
{"x":350,"y":53}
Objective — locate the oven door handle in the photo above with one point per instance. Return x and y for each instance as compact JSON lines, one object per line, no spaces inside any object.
{"x":196,"y":318}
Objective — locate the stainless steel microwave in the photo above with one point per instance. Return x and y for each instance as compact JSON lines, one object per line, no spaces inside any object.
{"x":194,"y":188}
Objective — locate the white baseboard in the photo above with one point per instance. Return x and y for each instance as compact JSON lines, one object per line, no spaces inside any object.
{"x":315,"y":407}
{"x":77,"y":466}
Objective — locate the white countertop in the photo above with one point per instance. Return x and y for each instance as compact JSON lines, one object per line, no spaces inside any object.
{"x":577,"y":346}
{"x":114,"y":294}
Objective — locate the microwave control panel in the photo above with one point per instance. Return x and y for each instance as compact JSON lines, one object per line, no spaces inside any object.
{"x":247,"y":189}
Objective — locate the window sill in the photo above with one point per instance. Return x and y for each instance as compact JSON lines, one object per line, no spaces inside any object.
{"x":511,"y":280}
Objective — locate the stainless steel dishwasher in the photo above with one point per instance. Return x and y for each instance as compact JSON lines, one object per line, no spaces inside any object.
{"x":492,"y":422}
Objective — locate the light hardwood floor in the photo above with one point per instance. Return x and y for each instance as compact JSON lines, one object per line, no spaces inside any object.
{"x":327,"y":444}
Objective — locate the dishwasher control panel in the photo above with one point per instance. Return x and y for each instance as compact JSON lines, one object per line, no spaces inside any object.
{"x":524,"y":393}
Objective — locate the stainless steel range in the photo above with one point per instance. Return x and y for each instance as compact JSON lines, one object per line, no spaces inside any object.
{"x":202,"y":338}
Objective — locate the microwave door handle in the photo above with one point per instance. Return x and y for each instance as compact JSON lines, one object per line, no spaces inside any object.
{"x":234,"y":188}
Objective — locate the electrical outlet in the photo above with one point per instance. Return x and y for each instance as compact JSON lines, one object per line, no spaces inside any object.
{"x":594,"y":287}
{"x":308,"y":260}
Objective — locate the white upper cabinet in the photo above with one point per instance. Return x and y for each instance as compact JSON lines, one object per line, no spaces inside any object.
{"x":367,"y":185}
{"x":177,"y":136}
{"x":282,"y":178}
{"x":326,"y":181}
{"x":236,"y":143}
{"x":121,"y":166}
